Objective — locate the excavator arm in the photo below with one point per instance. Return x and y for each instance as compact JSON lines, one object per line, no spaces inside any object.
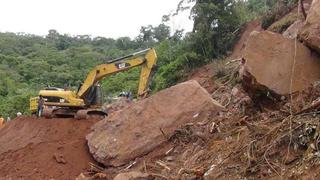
{"x":146,"y":58}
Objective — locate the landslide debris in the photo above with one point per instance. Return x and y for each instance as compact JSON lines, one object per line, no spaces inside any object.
{"x":147,"y":124}
{"x":177,"y":134}
{"x":269,"y":58}
{"x":38,"y":148}
{"x":252,"y":139}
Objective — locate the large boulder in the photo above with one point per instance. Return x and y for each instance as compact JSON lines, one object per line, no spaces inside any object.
{"x":310,"y":33}
{"x":269,"y":58}
{"x":146,"y":124}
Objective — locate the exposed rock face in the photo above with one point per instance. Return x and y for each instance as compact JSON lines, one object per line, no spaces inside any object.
{"x":146,"y":124}
{"x":270,"y":58}
{"x":241,"y":44}
{"x":310,"y":33}
{"x":293,"y":30}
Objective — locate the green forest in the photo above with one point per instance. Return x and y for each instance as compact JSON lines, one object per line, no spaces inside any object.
{"x":29,"y":62}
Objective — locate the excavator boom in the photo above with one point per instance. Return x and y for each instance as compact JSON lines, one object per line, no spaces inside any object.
{"x":122,"y":64}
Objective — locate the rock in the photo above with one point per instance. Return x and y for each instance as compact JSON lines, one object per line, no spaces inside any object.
{"x":134,"y":175}
{"x":144,"y":125}
{"x":269,"y":58}
{"x":118,"y":104}
{"x":310,"y":33}
{"x":235,"y":92}
{"x":240,"y":45}
{"x":293,"y":30}
{"x":59,"y":158}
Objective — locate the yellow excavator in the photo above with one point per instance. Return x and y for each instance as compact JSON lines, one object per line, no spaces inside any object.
{"x":87,"y":100}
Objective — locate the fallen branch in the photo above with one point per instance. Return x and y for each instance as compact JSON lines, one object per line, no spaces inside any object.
{"x":162,"y":164}
{"x":165,"y":136}
{"x":312,"y":107}
{"x":95,"y":168}
{"x":265,"y":158}
{"x":159,"y":175}
{"x":232,"y":61}
{"x":303,"y":10}
{"x":130,"y":165}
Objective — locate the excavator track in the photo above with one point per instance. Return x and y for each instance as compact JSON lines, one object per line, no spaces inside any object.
{"x":77,"y":114}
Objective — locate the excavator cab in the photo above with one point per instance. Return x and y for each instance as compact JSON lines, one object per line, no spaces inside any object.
{"x":94,"y":96}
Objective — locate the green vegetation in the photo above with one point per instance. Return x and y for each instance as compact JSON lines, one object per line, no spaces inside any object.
{"x":29,"y":62}
{"x":277,"y":10}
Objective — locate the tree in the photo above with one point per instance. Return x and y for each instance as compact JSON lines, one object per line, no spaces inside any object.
{"x":215,"y":26}
{"x":146,"y":33}
{"x":53,"y":35}
{"x":125,"y":43}
{"x":161,"y":32}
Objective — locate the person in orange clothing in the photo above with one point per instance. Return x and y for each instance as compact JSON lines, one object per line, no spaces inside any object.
{"x":1,"y":120}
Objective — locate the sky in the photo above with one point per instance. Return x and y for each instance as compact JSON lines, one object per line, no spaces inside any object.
{"x":107,"y":18}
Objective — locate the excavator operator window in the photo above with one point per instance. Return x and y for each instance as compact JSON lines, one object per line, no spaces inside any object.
{"x":55,"y":100}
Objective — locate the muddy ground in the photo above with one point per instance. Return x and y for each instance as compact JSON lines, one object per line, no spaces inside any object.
{"x":38,"y":148}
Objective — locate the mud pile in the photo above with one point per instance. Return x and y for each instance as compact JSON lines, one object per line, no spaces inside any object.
{"x":36,"y":148}
{"x":145,"y":125}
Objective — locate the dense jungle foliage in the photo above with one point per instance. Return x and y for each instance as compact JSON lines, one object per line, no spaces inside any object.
{"x":30,"y":62}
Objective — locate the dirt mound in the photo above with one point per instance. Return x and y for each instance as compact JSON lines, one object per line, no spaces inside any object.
{"x":33,"y":148}
{"x":146,"y":124}
{"x":270,"y":58}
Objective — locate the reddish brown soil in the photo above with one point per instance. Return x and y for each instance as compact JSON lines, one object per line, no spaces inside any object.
{"x":204,"y":76}
{"x":33,"y":148}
